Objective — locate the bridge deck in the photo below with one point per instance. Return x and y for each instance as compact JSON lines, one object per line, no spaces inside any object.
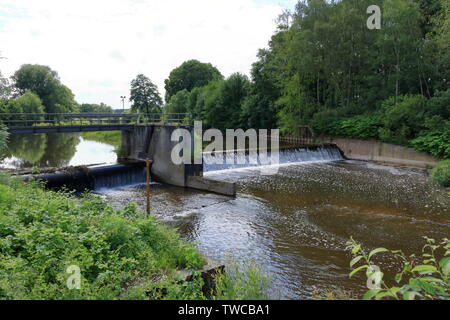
{"x":20,"y":123}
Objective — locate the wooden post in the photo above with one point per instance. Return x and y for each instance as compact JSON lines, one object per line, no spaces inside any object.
{"x":148,"y":162}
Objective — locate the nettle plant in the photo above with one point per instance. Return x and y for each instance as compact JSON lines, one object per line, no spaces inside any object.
{"x":425,"y":277}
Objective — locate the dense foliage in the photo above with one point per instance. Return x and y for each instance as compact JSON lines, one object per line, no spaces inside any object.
{"x":144,"y":95}
{"x":189,"y":75}
{"x":441,"y":173}
{"x":426,"y":277}
{"x":122,"y":254}
{"x":119,"y":252}
{"x":3,"y":137}
{"x":326,"y":69}
{"x":38,"y":89}
{"x":95,"y":108}
{"x":44,"y":82}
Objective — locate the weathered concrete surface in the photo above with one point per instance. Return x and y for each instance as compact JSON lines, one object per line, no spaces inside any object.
{"x":160,"y":147}
{"x":215,"y":186}
{"x":373,"y":150}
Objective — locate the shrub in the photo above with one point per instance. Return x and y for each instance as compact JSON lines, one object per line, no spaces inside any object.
{"x":441,"y":173}
{"x":426,"y":277}
{"x":119,"y":252}
{"x":242,"y":281}
{"x":403,"y":117}
{"x":3,"y":138}
{"x":436,"y":143}
{"x":360,"y":126}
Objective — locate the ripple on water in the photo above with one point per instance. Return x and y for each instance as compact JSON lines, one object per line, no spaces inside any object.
{"x":295,"y":223}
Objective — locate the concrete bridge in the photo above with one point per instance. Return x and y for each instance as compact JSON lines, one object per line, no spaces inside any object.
{"x":141,"y":133}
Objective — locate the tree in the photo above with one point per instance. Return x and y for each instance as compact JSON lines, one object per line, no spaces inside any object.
{"x":3,"y":137}
{"x":45,"y":82}
{"x":191,"y":74}
{"x":5,"y":88}
{"x":223,"y":106}
{"x":29,"y":102}
{"x":178,"y":103}
{"x":95,"y":108}
{"x":144,"y":95}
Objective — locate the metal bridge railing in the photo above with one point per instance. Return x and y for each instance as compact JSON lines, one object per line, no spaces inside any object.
{"x":86,"y":119}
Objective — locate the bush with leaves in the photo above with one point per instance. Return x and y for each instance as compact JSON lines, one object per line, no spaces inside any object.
{"x":122,"y":254}
{"x":435,"y":139}
{"x":118,"y":251}
{"x":3,"y":137}
{"x":441,"y":173}
{"x":425,"y":277}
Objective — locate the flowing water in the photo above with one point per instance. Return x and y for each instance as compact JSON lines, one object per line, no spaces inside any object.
{"x":295,"y":223}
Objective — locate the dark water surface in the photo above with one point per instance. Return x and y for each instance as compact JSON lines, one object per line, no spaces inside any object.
{"x":295,"y":224}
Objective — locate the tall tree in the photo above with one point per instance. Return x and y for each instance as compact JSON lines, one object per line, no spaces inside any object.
{"x":223,"y":107}
{"x":45,"y":82}
{"x":189,"y":75}
{"x":144,"y":95}
{"x":5,"y":88}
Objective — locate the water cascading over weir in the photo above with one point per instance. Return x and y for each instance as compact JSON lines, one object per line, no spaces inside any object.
{"x":151,"y":135}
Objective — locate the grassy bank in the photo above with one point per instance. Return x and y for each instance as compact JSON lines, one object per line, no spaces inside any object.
{"x":109,"y":137}
{"x":121,"y":254}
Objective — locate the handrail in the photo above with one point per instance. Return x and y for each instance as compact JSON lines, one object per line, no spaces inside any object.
{"x":77,"y":119}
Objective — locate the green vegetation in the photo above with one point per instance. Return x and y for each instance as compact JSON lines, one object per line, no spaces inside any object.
{"x":122,"y":254}
{"x":95,"y":108}
{"x":144,"y":95}
{"x":425,"y":277}
{"x":441,"y":173}
{"x":390,"y":84}
{"x":191,"y":74}
{"x":3,"y":138}
{"x":110,"y":137}
{"x":242,"y":281}
{"x":43,"y":232}
{"x":45,"y":82}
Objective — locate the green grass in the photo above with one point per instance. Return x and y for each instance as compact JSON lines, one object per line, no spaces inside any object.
{"x":109,"y":137}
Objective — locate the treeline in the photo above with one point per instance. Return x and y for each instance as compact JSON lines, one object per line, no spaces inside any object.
{"x":326,"y":69}
{"x":38,"y":89}
{"x":323,"y":68}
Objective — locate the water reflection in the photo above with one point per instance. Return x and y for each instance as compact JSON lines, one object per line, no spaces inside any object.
{"x":54,"y":150}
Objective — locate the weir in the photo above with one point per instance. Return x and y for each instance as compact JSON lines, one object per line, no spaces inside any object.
{"x":93,"y":178}
{"x":151,"y":134}
{"x":236,"y":160}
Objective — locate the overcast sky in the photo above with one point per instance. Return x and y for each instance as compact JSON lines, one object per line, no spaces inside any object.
{"x":99,"y":46}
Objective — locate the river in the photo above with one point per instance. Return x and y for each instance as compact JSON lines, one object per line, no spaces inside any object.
{"x":294,"y":224}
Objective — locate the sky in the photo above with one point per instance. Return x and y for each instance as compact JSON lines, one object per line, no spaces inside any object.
{"x":98,"y":46}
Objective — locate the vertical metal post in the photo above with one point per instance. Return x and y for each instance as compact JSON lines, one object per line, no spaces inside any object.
{"x":148,"y":163}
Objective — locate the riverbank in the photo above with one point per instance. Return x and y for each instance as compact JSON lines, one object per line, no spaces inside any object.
{"x":121,"y":254}
{"x":109,"y":137}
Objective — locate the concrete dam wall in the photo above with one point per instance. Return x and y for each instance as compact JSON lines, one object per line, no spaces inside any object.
{"x":374,"y":150}
{"x":156,"y":141}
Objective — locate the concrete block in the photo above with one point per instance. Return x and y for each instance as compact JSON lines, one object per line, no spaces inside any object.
{"x":216,"y":186}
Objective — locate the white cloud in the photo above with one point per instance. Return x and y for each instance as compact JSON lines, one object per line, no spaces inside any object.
{"x":99,"y":46}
